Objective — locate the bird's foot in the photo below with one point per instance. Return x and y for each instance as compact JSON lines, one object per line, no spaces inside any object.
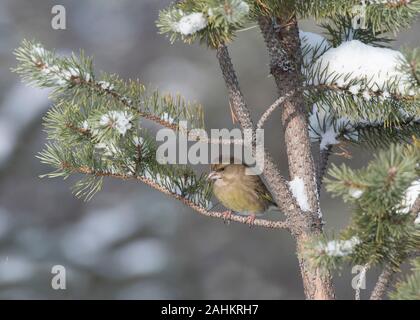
{"x":227,"y":216}
{"x":250,"y":220}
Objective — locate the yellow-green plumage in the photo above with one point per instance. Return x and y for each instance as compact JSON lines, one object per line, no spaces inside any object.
{"x":239,"y":192}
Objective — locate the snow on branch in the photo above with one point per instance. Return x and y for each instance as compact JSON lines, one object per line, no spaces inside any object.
{"x":358,"y":89}
{"x":380,"y":15}
{"x":297,"y":187}
{"x":329,"y":254}
{"x":377,"y":69}
{"x":382,"y":194}
{"x":73,"y":77}
{"x":410,"y":196}
{"x":211,"y":22}
{"x":95,"y":124}
{"x":95,"y":130}
{"x":327,"y":129}
{"x":339,"y":248}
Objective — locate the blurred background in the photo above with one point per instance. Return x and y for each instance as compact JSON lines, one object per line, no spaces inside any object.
{"x":131,"y":242}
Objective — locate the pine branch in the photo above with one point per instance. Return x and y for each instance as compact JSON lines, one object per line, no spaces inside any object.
{"x":411,"y":65}
{"x":282,"y":40}
{"x":285,"y":61}
{"x":330,"y":128}
{"x":383,"y":283}
{"x":409,"y":288}
{"x":276,"y":183}
{"x":339,"y":29}
{"x":373,"y":105}
{"x":278,"y":103}
{"x":73,"y":79}
{"x":236,"y":97}
{"x":387,"y":277}
{"x":382,"y":135}
{"x":213,"y":22}
{"x":381,"y":218}
{"x":324,"y":154}
{"x":391,"y":16}
{"x":199,"y":209}
{"x":95,"y":123}
{"x":381,"y":16}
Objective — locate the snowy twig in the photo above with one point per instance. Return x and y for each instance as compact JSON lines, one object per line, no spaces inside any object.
{"x":348,"y":89}
{"x":272,"y":108}
{"x":163,"y":122}
{"x":201,"y":210}
{"x":127,"y":103}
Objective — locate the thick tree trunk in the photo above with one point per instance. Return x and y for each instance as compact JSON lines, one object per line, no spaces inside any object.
{"x":316,"y":285}
{"x":282,"y":38}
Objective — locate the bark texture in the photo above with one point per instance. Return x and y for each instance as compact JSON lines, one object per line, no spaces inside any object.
{"x":275,"y":182}
{"x":384,"y":282}
{"x":322,"y":166}
{"x":282,"y":39}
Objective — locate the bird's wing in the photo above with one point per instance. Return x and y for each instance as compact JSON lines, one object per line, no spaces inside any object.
{"x":263,"y":191}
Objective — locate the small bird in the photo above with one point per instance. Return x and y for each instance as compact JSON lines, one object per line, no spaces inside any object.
{"x":239,"y":192}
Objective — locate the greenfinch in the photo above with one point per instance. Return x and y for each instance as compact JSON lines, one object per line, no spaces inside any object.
{"x":240,"y":192}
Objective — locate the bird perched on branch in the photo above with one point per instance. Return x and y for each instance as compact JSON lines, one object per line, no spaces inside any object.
{"x":240,"y":192}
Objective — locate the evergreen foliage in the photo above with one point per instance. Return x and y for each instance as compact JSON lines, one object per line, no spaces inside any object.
{"x":95,"y":126}
{"x":409,"y":288}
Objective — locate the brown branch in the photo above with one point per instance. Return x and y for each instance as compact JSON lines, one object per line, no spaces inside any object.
{"x":271,"y":224}
{"x":415,"y":210}
{"x":124,"y":101}
{"x":236,"y":97}
{"x":284,"y":49}
{"x":272,"y":108}
{"x":383,"y":283}
{"x":322,"y":165}
{"x":196,"y":137}
{"x":275,"y":182}
{"x":285,"y":61}
{"x":233,"y":217}
{"x":151,"y":117}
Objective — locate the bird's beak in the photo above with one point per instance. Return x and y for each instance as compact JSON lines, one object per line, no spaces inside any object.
{"x":213,"y":176}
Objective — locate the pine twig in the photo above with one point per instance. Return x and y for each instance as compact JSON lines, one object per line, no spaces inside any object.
{"x":272,"y":108}
{"x":387,"y":277}
{"x":201,"y":210}
{"x":114,"y":94}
